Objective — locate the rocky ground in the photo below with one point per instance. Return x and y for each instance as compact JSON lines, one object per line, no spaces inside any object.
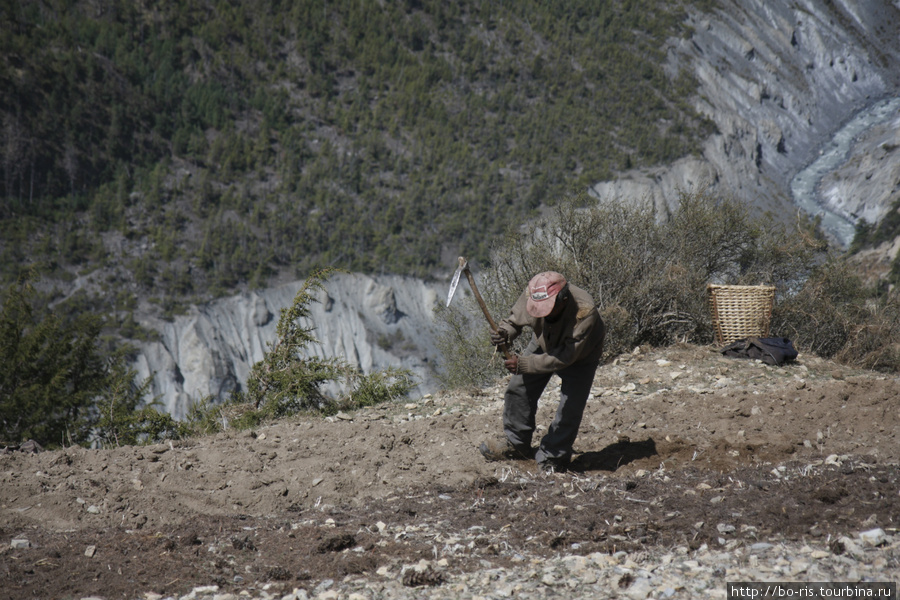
{"x":692,"y":470}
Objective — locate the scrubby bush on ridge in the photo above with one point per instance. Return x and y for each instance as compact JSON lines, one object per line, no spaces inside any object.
{"x":835,"y":315}
{"x":649,"y":279}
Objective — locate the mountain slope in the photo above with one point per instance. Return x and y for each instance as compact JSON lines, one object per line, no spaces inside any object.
{"x":190,"y":150}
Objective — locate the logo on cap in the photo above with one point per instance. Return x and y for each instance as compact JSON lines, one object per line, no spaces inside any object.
{"x":539,"y":294}
{"x":542,"y":290}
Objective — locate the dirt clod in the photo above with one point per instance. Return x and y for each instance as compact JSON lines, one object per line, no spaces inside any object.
{"x":336,"y":543}
{"x":425,"y":578}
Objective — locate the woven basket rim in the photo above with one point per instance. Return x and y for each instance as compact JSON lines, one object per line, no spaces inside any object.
{"x":747,"y":287}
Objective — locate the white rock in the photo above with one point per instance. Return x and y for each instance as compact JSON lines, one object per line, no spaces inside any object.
{"x":575,"y":563}
{"x":873,"y":537}
{"x":640,"y":589}
{"x":799,"y":566}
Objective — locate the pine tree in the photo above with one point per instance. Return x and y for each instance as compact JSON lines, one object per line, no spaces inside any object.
{"x":285,"y":382}
{"x":50,"y":372}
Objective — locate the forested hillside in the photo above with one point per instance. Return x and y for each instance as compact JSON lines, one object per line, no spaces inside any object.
{"x":185,"y":149}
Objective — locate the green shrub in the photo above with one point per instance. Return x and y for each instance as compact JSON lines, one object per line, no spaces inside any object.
{"x":205,"y":417}
{"x":377,"y":388}
{"x":868,"y":235}
{"x":462,"y":334}
{"x":58,"y":387}
{"x":121,"y":418}
{"x":50,"y":372}
{"x":284,"y":382}
{"x":835,"y":315}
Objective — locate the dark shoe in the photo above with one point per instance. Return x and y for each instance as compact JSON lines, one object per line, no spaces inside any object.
{"x":503,"y":450}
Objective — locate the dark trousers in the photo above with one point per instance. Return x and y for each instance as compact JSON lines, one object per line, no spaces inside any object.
{"x":520,"y":408}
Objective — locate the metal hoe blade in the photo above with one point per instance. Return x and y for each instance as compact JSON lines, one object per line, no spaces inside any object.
{"x":453,"y":284}
{"x":464,"y":268}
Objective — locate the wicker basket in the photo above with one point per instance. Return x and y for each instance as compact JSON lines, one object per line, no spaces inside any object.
{"x":740,"y":311}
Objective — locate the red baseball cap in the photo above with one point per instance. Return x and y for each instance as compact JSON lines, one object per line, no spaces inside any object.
{"x":542,"y":291}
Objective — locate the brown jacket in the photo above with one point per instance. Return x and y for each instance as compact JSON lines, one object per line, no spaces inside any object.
{"x":575,"y":337}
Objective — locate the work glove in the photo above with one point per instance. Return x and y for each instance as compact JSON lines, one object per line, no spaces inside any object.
{"x":499,"y":337}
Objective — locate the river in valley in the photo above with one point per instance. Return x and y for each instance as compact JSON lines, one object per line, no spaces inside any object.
{"x":836,"y":223}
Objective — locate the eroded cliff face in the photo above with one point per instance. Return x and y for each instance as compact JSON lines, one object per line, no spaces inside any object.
{"x":372,"y":322}
{"x":778,"y":78}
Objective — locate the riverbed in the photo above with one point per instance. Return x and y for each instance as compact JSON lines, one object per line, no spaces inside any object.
{"x":838,"y":224}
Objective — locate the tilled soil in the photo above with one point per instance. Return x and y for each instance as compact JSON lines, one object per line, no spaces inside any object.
{"x":680,"y":448}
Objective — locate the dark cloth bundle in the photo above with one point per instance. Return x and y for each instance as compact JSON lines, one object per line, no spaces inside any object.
{"x":770,"y":350}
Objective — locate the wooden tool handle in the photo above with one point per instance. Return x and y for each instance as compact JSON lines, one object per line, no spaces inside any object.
{"x":485,"y":310}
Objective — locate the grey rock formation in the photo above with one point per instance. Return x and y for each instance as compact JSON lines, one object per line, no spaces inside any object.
{"x":778,"y":78}
{"x":372,"y":322}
